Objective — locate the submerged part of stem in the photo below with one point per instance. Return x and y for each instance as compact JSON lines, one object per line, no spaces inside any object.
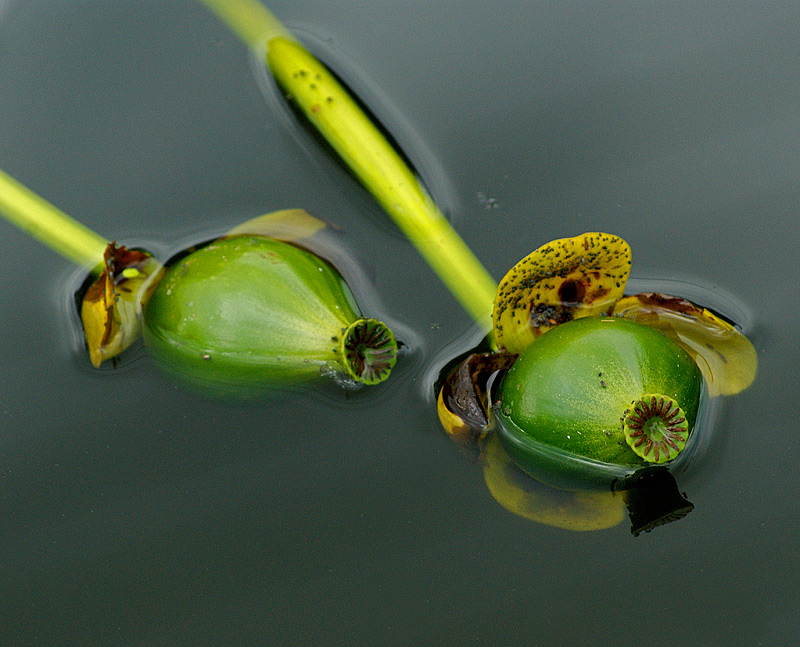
{"x":655,"y":428}
{"x":726,"y":357}
{"x":368,"y":350}
{"x":561,"y":281}
{"x":111,"y":310}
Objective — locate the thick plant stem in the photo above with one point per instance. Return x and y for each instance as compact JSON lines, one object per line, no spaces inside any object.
{"x":251,"y":21}
{"x":50,"y":225}
{"x":364,"y":148}
{"x":337,"y":116}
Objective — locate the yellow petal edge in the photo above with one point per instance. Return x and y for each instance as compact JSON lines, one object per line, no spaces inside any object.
{"x":563,"y":280}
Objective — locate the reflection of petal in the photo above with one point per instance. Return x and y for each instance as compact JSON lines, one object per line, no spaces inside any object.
{"x":112,"y":306}
{"x":526,"y":497}
{"x":725,"y":356}
{"x":563,"y":280}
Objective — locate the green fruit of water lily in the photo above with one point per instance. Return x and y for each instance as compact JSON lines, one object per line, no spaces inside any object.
{"x":596,"y":398}
{"x":251,"y":309}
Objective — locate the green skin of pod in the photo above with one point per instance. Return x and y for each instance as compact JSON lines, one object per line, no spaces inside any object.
{"x":249,"y":309}
{"x":561,"y":405}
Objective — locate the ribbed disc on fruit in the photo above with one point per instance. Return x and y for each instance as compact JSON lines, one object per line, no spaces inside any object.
{"x":368,"y":351}
{"x":656,"y":428}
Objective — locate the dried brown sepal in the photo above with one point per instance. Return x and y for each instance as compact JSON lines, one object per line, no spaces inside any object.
{"x":463,"y":399}
{"x":112,"y":306}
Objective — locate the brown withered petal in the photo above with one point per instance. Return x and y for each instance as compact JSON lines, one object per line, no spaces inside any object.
{"x":463,"y":399}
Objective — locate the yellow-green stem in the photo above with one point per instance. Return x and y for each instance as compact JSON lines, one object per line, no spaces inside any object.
{"x":50,"y":225}
{"x":364,"y":148}
{"x":251,"y":21}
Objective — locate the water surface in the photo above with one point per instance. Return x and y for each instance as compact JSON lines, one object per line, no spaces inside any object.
{"x":135,"y":512}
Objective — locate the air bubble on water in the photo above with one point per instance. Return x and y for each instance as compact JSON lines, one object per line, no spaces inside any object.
{"x":340,"y":378}
{"x":488,"y":201}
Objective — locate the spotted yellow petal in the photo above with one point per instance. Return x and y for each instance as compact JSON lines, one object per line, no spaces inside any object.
{"x":726,"y":357}
{"x":563,"y":280}
{"x":527,"y":498}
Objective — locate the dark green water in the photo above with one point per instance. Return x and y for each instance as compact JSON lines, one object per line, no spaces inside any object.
{"x":134,"y":512}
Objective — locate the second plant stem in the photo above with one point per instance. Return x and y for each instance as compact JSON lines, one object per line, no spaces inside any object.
{"x":366,"y":151}
{"x":49,"y":224}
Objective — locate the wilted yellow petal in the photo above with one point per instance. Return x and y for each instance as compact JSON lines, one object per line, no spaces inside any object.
{"x":112,"y":306}
{"x":97,"y":321}
{"x":526,"y":497}
{"x":287,"y":225}
{"x":453,"y":424}
{"x":726,"y":357}
{"x":563,"y":280}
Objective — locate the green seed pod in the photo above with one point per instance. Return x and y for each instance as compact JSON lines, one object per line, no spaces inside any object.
{"x":596,"y":398}
{"x":252,"y":310}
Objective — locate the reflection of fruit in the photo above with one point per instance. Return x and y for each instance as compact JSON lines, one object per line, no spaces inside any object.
{"x":250,"y":309}
{"x":563,"y":404}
